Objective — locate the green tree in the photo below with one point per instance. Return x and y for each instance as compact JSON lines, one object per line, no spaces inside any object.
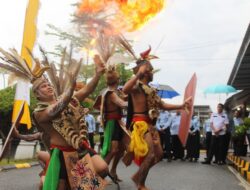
{"x":7,"y":96}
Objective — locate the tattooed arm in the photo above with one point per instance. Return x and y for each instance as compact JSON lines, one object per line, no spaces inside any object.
{"x":90,"y":87}
{"x":56,"y":108}
{"x":29,"y":137}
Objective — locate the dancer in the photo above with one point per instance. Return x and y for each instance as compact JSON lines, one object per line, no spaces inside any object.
{"x":143,"y":106}
{"x":112,"y":102}
{"x":73,"y":164}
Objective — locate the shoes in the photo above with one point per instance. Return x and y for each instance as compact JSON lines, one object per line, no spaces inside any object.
{"x":183,"y":159}
{"x":190,"y":159}
{"x":221,"y":163}
{"x":169,"y":159}
{"x":215,"y":162}
{"x":206,"y":162}
{"x":196,"y":160}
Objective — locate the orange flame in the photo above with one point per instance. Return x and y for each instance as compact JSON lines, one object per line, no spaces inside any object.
{"x":129,"y":15}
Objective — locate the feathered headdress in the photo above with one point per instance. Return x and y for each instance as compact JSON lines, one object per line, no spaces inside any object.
{"x":18,"y":67}
{"x":145,"y":56}
{"x":60,"y":77}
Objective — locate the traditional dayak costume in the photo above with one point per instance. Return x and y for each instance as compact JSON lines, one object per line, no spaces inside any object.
{"x":112,"y":129}
{"x":140,"y":125}
{"x":64,"y":162}
{"x":111,"y":119}
{"x":72,"y":163}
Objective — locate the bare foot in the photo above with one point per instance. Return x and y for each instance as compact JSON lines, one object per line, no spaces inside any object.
{"x":135,"y":179}
{"x":128,"y":158}
{"x":142,"y":187}
{"x":115,"y":176}
{"x":109,"y":182}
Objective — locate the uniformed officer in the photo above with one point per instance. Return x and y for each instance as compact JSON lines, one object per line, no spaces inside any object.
{"x":219,"y":123}
{"x":178,"y":150}
{"x":193,"y":142}
{"x":208,"y":131}
{"x":163,"y":126}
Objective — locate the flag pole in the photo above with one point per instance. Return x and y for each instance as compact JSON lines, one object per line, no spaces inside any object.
{"x":16,"y":123}
{"x":29,"y":37}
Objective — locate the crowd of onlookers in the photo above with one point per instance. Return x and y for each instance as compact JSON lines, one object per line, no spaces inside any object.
{"x":216,"y":132}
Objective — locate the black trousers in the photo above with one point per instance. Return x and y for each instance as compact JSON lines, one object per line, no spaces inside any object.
{"x":178,"y":150}
{"x":101,"y":134}
{"x":208,"y":142}
{"x":217,"y":148}
{"x":91,"y":140}
{"x":165,"y":137}
{"x":226,"y":143}
{"x":193,"y":145}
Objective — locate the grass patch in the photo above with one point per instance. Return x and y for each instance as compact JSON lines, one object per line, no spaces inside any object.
{"x":5,"y":162}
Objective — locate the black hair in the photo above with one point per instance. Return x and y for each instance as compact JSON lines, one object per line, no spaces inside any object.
{"x":222,"y":105}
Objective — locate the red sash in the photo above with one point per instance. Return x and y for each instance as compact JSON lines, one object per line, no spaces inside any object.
{"x":141,"y":118}
{"x":114,"y":116}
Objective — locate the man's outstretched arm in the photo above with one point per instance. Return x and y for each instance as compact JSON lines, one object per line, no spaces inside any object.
{"x":90,"y":87}
{"x":56,"y":108}
{"x":185,"y":105}
{"x":118,"y":101}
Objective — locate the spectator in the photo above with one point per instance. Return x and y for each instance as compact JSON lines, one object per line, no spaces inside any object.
{"x":90,"y":120}
{"x":193,"y":143}
{"x":163,"y":126}
{"x":178,"y":150}
{"x":219,"y":123}
{"x":100,"y":131}
{"x":208,"y":132}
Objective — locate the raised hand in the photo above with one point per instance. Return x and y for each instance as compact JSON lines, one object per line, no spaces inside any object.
{"x":187,"y":104}
{"x":72,"y":80}
{"x":144,"y":68}
{"x":99,"y":65}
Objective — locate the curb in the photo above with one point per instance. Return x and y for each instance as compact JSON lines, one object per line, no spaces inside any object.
{"x":241,"y":165}
{"x":19,"y":166}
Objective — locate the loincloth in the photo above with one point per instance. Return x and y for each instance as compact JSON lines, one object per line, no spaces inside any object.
{"x":65,"y":164}
{"x":138,"y":145}
{"x":112,"y":132}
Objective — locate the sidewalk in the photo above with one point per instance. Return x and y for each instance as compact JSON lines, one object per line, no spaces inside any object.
{"x":19,"y":166}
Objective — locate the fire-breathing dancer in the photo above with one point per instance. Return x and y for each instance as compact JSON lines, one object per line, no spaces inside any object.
{"x":143,"y":110}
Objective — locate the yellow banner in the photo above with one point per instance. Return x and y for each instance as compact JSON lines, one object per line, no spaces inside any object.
{"x":29,"y":33}
{"x":29,"y":38}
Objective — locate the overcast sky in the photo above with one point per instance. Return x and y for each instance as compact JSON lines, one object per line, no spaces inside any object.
{"x":194,"y":36}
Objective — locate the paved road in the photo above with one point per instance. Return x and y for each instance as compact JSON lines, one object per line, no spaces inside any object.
{"x":177,"y":175}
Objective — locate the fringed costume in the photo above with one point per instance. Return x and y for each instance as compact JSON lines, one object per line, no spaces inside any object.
{"x":72,"y":163}
{"x":143,"y":124}
{"x":111,"y":121}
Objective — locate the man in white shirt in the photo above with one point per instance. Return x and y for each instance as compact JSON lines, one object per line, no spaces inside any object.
{"x":100,"y":131}
{"x":91,"y":127}
{"x":178,"y":150}
{"x":193,"y":142}
{"x":163,"y":126}
{"x":219,"y":123}
{"x":208,"y":131}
